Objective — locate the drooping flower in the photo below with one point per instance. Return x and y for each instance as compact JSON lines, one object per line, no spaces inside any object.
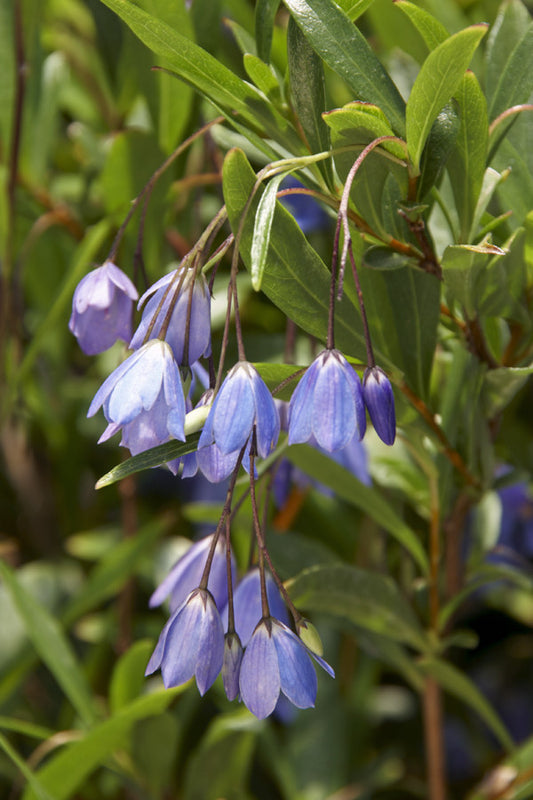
{"x":194,"y":291}
{"x":191,"y":643}
{"x":276,"y":660}
{"x":242,"y":401}
{"x":247,"y":604}
{"x":101,"y":308}
{"x":379,"y":399}
{"x":186,"y":574}
{"x":144,"y":398}
{"x":328,"y":404}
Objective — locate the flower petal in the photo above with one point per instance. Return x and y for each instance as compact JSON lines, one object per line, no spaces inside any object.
{"x":297,"y":674}
{"x":259,"y":681}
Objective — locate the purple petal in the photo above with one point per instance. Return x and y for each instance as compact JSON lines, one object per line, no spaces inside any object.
{"x":333,"y":406}
{"x":259,"y":681}
{"x":297,"y":675}
{"x":267,"y":417}
{"x":234,"y":411}
{"x":301,"y":407}
{"x":183,"y":642}
{"x":211,"y":653}
{"x":232,"y":665}
{"x":109,"y":384}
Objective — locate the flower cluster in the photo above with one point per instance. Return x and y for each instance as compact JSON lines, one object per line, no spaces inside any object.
{"x":212,"y":632}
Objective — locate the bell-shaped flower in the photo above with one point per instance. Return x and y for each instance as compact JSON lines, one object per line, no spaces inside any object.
{"x":191,"y":310}
{"x":144,"y":398}
{"x":307,"y":212}
{"x":101,"y":308}
{"x":231,"y":667}
{"x":191,"y":643}
{"x":328,"y":404}
{"x":276,"y":661}
{"x":186,"y":574}
{"x":379,"y":399}
{"x":247,"y":608}
{"x":242,"y":401}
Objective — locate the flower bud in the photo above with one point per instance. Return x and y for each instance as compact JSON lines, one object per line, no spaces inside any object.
{"x":379,"y":400}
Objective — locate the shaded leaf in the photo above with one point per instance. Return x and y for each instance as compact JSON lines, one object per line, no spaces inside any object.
{"x":154,"y":457}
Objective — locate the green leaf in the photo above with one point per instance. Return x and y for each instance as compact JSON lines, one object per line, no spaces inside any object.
{"x":196,"y":66}
{"x":354,"y":8}
{"x":52,"y":646}
{"x":262,"y":228}
{"x":430,"y":29}
{"x":341,"y":45}
{"x":128,"y":679}
{"x":366,"y":498}
{"x":502,"y":384}
{"x":367,"y":599}
{"x":509,"y":78}
{"x":263,"y":76}
{"x":466,"y":165}
{"x":295,"y":279}
{"x":65,"y":773}
{"x":458,"y":684}
{"x":265,"y":14}
{"x":154,"y":457}
{"x":307,"y":83}
{"x":436,"y":82}
{"x":439,"y":145}
{"x":360,"y":123}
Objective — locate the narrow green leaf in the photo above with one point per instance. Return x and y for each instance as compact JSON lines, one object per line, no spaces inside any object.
{"x":154,"y":457}
{"x":467,"y":162}
{"x":307,"y":83}
{"x":516,"y":82}
{"x":265,"y":14}
{"x":367,"y":599}
{"x":354,"y":8}
{"x":263,"y":76}
{"x":64,"y":773}
{"x":436,"y":82}
{"x":38,"y":789}
{"x":430,"y":29}
{"x":262,"y":228}
{"x":128,"y":678}
{"x":366,"y":498}
{"x":205,"y":72}
{"x":508,"y":58}
{"x":440,"y":143}
{"x":295,"y":279}
{"x":52,"y":646}
{"x":341,"y":45}
{"x":458,"y":684}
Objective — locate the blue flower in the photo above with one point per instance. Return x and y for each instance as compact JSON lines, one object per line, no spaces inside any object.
{"x":186,"y":574}
{"x":328,"y":404}
{"x":247,"y":604}
{"x":242,"y":401}
{"x":144,"y":398}
{"x":379,"y":399}
{"x":199,"y":343}
{"x":101,"y":308}
{"x":191,"y":643}
{"x":309,"y":214}
{"x":276,"y":660}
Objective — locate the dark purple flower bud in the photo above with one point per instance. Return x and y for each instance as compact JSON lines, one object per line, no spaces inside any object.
{"x":144,"y":398}
{"x":328,"y":404}
{"x":191,"y":643}
{"x":232,"y":665}
{"x":101,"y":309}
{"x":199,"y":342}
{"x":379,"y":399}
{"x":276,"y":660}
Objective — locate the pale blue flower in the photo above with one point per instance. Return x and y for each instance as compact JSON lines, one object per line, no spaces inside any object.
{"x":101,"y":308}
{"x":328,"y":404}
{"x":191,"y":643}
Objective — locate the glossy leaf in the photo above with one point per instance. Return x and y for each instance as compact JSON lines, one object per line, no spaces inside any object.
{"x":341,"y":45}
{"x":52,"y":646}
{"x":206,"y":73}
{"x":467,"y":162}
{"x":458,"y":684}
{"x":154,"y":457}
{"x":354,"y":8}
{"x":366,"y":498}
{"x":436,"y":82}
{"x":367,"y":599}
{"x":307,"y":83}
{"x":265,"y":14}
{"x":296,"y":279}
{"x":66,"y":771}
{"x":439,"y":146}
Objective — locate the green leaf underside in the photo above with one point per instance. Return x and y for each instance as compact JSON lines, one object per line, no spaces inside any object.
{"x":262,"y":227}
{"x":364,"y":598}
{"x":154,"y":457}
{"x":436,"y":82}
{"x":341,"y":45}
{"x":366,"y":498}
